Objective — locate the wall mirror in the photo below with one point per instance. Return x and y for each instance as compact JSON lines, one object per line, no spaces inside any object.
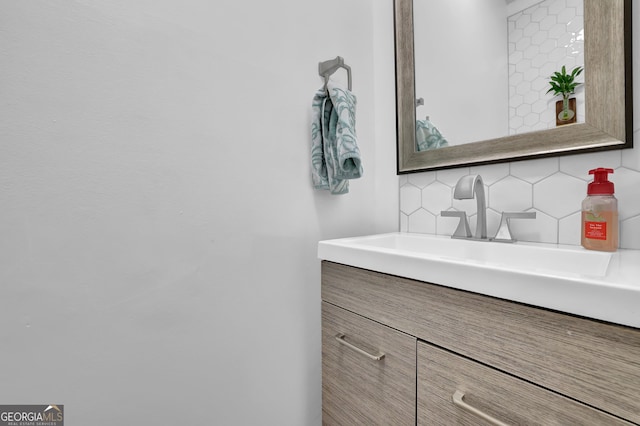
{"x":606,"y":121}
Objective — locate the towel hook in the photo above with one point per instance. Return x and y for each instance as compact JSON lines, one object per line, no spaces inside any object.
{"x":326,"y":68}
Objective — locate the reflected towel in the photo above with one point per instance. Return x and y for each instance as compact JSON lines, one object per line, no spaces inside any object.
{"x":428,"y":137}
{"x":335,"y":156}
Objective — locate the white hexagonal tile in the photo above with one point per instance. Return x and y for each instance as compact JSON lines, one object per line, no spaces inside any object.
{"x":579,"y":165}
{"x":557,"y":55}
{"x":576,"y":51}
{"x":523,"y":21}
{"x":539,"y":14}
{"x":516,"y":57}
{"x":516,"y":122}
{"x":516,"y":99}
{"x":540,"y":83}
{"x":532,"y":119}
{"x":569,"y":229}
{"x":580,"y":60}
{"x":548,"y":22}
{"x":539,"y":60}
{"x":421,"y":221}
{"x":531,"y":29}
{"x":422,"y":179}
{"x":523,"y":110}
{"x":491,"y":173}
{"x":404,"y":222}
{"x":450,"y":177}
{"x":629,"y":231}
{"x":576,"y":27}
{"x":539,"y":37}
{"x":559,"y":195}
{"x":410,"y":199}
{"x":557,"y":6}
{"x":541,"y":125}
{"x":626,"y":183}
{"x":531,"y":51}
{"x":539,"y":106}
{"x":557,"y":30}
{"x":565,"y":39}
{"x":515,"y":78}
{"x":529,"y":76}
{"x":437,"y":197}
{"x":542,"y":229}
{"x":523,"y":43}
{"x":523,"y":88}
{"x":566,"y":57}
{"x":531,"y":97}
{"x":549,"y":68}
{"x":510,"y":194}
{"x":567,"y":15}
{"x":547,"y":47}
{"x":515,"y":35}
{"x":523,"y":65}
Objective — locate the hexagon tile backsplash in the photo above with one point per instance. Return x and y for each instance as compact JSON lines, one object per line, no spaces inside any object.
{"x":542,"y":38}
{"x":553,"y":187}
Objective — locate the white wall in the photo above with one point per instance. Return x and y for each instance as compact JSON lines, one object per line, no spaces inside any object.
{"x":552,"y":187}
{"x":158,"y":228}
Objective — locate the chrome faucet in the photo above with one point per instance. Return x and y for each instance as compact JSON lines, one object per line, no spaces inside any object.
{"x":467,"y":188}
{"x":472,"y":186}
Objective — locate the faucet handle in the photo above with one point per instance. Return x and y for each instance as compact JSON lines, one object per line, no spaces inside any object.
{"x":504,"y":234}
{"x":463,"y":230}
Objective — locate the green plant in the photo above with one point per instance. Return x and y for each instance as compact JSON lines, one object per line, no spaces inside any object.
{"x":564,"y":84}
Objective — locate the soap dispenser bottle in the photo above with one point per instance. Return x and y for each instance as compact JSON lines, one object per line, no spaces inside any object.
{"x":600,"y":213}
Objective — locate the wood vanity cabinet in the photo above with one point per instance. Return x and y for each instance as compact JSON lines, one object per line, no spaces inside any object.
{"x":369,"y":371}
{"x":502,"y":362}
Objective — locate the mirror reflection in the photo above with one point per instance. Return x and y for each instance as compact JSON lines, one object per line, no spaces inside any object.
{"x":483,"y":68}
{"x":602,"y":108}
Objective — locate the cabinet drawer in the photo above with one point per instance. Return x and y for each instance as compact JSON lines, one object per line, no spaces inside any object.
{"x":496,"y":394}
{"x":357,"y":389}
{"x":590,"y":361}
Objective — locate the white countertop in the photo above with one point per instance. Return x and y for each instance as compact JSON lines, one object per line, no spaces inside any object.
{"x":598,"y":285}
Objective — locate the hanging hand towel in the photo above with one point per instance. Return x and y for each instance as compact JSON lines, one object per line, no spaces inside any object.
{"x":428,"y":136}
{"x":335,"y":156}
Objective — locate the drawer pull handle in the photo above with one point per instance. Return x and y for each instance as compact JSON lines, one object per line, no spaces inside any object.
{"x":457,"y":400}
{"x":340,"y":339}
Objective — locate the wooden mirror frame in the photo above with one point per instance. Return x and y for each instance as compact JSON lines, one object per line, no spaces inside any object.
{"x":608,"y":104}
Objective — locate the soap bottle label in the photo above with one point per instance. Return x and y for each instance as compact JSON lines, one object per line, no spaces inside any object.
{"x":595,"y":225}
{"x":595,"y":230}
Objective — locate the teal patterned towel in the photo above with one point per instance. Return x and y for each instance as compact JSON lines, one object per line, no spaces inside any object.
{"x":428,"y":137}
{"x":335,"y":157}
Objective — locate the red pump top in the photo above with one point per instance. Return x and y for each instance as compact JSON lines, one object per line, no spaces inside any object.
{"x":601,"y":184}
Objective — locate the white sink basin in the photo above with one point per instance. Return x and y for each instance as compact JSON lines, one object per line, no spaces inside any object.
{"x":571,"y":279}
{"x":567,"y":260}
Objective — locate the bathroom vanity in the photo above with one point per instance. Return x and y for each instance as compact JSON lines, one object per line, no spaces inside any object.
{"x":400,"y":350}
